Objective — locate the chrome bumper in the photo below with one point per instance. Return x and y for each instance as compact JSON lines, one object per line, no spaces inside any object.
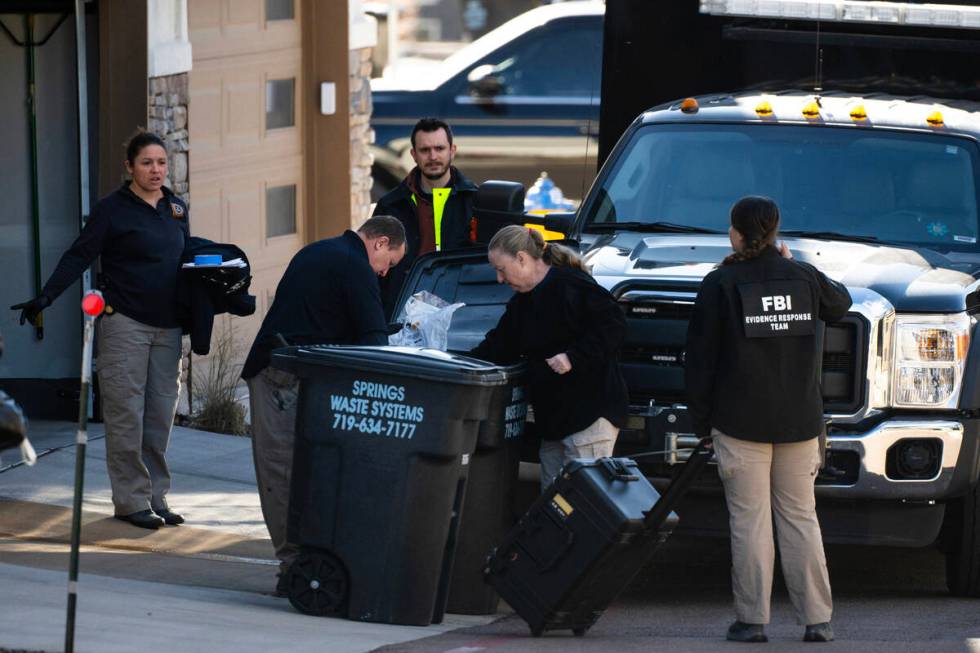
{"x":873,"y":481}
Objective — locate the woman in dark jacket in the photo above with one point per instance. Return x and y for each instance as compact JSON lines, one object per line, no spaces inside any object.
{"x":569,"y":330}
{"x":753,"y":383}
{"x":139,"y":231}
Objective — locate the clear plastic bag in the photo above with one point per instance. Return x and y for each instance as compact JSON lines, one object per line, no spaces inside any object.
{"x":425,"y":322}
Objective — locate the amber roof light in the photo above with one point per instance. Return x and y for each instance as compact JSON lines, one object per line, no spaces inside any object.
{"x":689,"y":105}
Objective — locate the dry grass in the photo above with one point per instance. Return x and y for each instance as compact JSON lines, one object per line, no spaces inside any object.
{"x":215,"y":385}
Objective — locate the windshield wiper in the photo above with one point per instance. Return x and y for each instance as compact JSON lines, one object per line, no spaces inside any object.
{"x":830,"y":235}
{"x":651,"y":227}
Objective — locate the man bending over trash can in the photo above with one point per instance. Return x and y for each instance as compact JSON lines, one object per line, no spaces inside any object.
{"x":329,"y":294}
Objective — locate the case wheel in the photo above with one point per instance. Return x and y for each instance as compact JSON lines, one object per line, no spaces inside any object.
{"x":537,"y":632}
{"x":579,"y":632}
{"x":317,"y":583}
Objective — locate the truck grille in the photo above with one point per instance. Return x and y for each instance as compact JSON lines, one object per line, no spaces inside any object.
{"x":652,"y":359}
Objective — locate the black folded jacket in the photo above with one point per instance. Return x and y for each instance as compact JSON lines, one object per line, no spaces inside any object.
{"x":203,"y":293}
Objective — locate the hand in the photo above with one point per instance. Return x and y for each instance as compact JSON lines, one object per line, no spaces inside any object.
{"x":784,"y":250}
{"x":559,"y":363}
{"x":29,"y":310}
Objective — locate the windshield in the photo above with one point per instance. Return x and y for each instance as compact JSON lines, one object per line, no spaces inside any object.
{"x":892,"y":186}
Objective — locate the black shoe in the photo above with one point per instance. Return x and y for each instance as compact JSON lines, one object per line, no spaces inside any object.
{"x":170,"y":518}
{"x":819,"y":633}
{"x":143,"y":519}
{"x":743,"y":632}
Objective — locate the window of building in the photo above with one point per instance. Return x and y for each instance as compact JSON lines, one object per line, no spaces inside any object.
{"x":279,"y":103}
{"x":280,"y":210}
{"x":279,"y":10}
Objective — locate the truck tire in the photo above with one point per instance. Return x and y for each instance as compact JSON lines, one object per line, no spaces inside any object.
{"x":963,"y":558}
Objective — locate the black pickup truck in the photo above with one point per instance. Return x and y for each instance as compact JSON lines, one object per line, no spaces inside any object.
{"x":878,"y":189}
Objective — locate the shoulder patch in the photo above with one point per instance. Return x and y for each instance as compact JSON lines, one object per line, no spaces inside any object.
{"x":178,"y":210}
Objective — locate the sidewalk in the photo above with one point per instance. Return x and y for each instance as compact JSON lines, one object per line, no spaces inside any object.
{"x":203,"y":586}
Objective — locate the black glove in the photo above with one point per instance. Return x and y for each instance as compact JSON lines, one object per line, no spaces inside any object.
{"x":29,"y":310}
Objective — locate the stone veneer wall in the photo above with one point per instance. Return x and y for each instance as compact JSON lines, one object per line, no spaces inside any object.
{"x":168,"y":119}
{"x":361,"y":135}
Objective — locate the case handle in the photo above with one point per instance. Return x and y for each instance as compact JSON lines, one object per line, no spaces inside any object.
{"x":616,"y":470}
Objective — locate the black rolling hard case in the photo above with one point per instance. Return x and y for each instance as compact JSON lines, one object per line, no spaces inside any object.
{"x":584,"y":540}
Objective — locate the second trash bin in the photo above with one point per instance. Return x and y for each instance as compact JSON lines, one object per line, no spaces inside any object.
{"x":487,"y":512}
{"x":383,"y":437}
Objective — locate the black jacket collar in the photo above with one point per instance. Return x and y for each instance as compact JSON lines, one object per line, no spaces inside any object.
{"x":355,"y":243}
{"x":459,"y":182}
{"x":128,"y":193}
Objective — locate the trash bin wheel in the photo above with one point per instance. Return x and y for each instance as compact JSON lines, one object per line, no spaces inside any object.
{"x":579,"y":632}
{"x":317,"y":583}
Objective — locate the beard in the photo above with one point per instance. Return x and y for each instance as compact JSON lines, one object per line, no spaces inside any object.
{"x":434,"y":176}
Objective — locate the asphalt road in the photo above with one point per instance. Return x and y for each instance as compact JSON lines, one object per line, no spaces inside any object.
{"x":890,"y":600}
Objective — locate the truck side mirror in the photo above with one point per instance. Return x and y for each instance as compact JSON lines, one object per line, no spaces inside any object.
{"x":498,"y":204}
{"x":484,"y":82}
{"x":561,"y":222}
{"x":557,"y":221}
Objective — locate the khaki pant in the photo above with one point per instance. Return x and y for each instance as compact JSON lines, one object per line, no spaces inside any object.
{"x":139,"y":378}
{"x":596,"y":441}
{"x":766,"y":483}
{"x":272,"y":398}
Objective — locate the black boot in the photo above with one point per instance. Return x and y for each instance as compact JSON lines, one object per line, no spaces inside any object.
{"x":819,"y":633}
{"x":143,"y":519}
{"x":170,"y":517}
{"x":743,"y":632}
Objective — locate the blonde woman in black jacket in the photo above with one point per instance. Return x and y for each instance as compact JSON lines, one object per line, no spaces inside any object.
{"x":569,"y":329}
{"x":753,"y":383}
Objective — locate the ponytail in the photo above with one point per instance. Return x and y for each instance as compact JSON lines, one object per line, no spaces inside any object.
{"x":515,"y":238}
{"x":756,"y":218}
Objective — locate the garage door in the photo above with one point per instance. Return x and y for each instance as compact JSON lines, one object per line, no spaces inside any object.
{"x":246,"y":160}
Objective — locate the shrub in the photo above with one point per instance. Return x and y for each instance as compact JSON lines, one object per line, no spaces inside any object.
{"x":215,"y":384}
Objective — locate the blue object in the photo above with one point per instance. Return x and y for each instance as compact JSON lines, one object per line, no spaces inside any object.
{"x":207,"y":259}
{"x":544,"y":195}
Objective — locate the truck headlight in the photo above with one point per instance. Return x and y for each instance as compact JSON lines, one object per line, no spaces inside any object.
{"x":930,"y":354}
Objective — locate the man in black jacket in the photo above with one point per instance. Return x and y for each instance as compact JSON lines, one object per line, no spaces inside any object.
{"x":328,"y":295}
{"x":434,"y":203}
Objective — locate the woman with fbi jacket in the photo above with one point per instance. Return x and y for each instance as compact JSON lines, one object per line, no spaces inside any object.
{"x":569,"y":330}
{"x":139,"y":231}
{"x":753,"y":383}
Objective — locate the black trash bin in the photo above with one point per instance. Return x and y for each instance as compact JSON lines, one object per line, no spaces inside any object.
{"x":487,"y":512}
{"x":383,"y":438}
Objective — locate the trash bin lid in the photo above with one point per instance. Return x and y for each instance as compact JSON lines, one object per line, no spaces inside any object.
{"x":415,"y":362}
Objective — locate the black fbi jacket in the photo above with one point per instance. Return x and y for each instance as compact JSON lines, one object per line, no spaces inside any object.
{"x":754,"y":349}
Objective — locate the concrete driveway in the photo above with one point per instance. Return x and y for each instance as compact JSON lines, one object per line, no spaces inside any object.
{"x":204,"y":586}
